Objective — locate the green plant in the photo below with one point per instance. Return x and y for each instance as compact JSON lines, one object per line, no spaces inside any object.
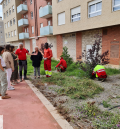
{"x":66,"y":56}
{"x":105,"y":104}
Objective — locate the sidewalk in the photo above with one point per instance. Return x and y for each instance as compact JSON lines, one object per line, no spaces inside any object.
{"x":25,"y":111}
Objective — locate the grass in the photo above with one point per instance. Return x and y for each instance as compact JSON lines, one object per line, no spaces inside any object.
{"x":105,"y":104}
{"x":75,"y":88}
{"x":100,"y":119}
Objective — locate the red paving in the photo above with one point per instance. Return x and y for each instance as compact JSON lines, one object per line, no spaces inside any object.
{"x":25,"y":111}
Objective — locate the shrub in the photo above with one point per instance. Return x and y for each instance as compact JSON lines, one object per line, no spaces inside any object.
{"x":93,"y":57}
{"x":66,"y":56}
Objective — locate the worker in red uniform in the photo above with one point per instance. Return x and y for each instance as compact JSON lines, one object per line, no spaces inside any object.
{"x":61,"y":67}
{"x":99,"y":72}
{"x":47,"y":60}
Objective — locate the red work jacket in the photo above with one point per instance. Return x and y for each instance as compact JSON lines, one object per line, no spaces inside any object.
{"x":63,"y":63}
{"x":48,"y":53}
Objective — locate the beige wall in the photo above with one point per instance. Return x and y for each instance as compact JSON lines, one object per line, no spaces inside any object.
{"x":107,"y":18}
{"x":10,"y":17}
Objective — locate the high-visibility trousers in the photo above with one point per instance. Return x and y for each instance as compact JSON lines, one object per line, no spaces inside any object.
{"x":47,"y":67}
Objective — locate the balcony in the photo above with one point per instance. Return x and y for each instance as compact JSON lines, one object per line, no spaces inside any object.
{"x":23,"y":23}
{"x":45,"y":12}
{"x":22,"y":8}
{"x":23,"y":36}
{"x":46,"y":31}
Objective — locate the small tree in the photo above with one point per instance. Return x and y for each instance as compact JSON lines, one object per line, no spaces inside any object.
{"x":93,"y":57}
{"x":43,"y":47}
{"x":66,"y":56}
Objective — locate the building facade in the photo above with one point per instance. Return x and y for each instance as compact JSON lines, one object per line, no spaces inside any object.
{"x":65,"y":23}
{"x":2,"y":36}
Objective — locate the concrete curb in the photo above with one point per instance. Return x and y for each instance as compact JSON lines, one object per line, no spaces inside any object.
{"x":60,"y":120}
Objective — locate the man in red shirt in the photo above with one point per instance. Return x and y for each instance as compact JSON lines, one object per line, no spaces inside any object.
{"x":47,"y":60}
{"x":61,"y":67}
{"x":21,"y":52}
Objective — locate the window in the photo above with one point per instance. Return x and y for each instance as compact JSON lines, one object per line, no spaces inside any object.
{"x":30,"y":1}
{"x":1,"y":31}
{"x":6,"y":2}
{"x":48,"y":3}
{"x":1,"y":36}
{"x":59,"y":0}
{"x":49,"y":23}
{"x":11,"y":33}
{"x":116,"y":5}
{"x":32,"y":29}
{"x":25,"y":2}
{"x":27,"y":30}
{"x":6,"y":35}
{"x":13,"y":21}
{"x":10,"y":22}
{"x":9,"y":11}
{"x":5,"y":25}
{"x":1,"y":41}
{"x":41,"y":25}
{"x":13,"y":9}
{"x":4,"y":5}
{"x":61,"y":18}
{"x":95,"y":8}
{"x":15,"y":32}
{"x":75,"y":14}
{"x":4,"y":16}
{"x":31,"y":15}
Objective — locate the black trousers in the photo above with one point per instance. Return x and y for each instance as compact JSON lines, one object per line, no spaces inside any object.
{"x":22,"y":64}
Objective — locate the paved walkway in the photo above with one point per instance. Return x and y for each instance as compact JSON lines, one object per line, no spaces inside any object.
{"x":25,"y":111}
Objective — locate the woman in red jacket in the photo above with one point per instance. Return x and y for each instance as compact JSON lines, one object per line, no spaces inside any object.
{"x":61,"y":67}
{"x":47,"y":60}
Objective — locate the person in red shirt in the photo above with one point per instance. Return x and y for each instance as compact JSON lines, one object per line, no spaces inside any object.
{"x":47,"y":60}
{"x":21,"y":52}
{"x":61,"y":67}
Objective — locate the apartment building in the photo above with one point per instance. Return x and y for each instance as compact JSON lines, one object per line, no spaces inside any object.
{"x":10,"y":19}
{"x":2,"y":36}
{"x":76,"y":23}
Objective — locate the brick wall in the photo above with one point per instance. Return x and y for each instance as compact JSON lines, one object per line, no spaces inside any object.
{"x":78,"y":44}
{"x":111,"y":42}
{"x":59,"y":45}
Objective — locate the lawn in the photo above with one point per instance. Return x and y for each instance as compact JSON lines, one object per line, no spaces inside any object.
{"x":72,"y":70}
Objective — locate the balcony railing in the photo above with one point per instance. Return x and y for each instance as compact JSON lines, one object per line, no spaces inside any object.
{"x":45,"y":12}
{"x":46,"y":31}
{"x":23,"y":35}
{"x":22,"y":8}
{"x":23,"y":23}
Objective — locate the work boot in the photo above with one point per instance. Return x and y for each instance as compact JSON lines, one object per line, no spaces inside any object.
{"x":5,"y":94}
{"x":6,"y":97}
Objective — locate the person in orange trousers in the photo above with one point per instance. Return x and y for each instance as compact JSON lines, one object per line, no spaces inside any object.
{"x":61,"y":67}
{"x":47,"y":60}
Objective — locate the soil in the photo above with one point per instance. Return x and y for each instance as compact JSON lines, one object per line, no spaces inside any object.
{"x":66,"y":106}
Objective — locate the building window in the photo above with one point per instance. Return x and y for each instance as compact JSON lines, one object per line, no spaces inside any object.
{"x":61,"y":18}
{"x":4,"y":16}
{"x":116,"y":5}
{"x":30,"y":1}
{"x":59,"y":0}
{"x":14,"y":21}
{"x":9,"y":11}
{"x":13,"y":9}
{"x":25,"y":2}
{"x":1,"y":31}
{"x":10,"y":22}
{"x":75,"y":14}
{"x":41,"y":25}
{"x":6,"y":2}
{"x":27,"y":30}
{"x":48,"y":3}
{"x":31,"y":15}
{"x":95,"y":8}
{"x":15,"y":32}
{"x":1,"y":41}
{"x":49,"y":23}
{"x":1,"y":36}
{"x":32,"y":29}
{"x":6,"y":35}
{"x":4,"y":5}
{"x":11,"y":33}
